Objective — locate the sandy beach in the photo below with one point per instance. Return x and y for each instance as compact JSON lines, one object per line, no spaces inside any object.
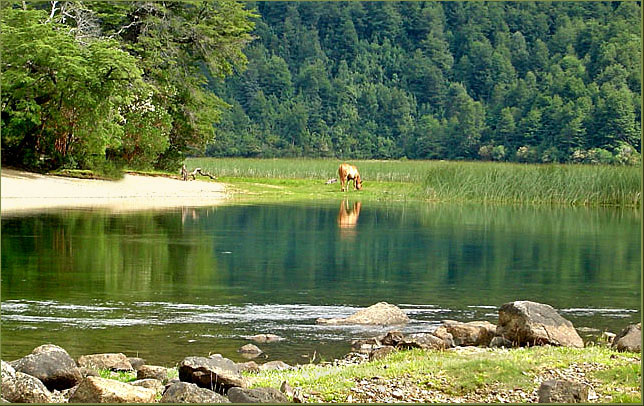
{"x":24,"y":191}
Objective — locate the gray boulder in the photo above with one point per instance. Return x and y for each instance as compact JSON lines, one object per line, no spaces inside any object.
{"x":530,"y":323}
{"x":250,"y":351}
{"x":183,"y":392}
{"x":392,"y":338}
{"x":112,"y":361}
{"x":150,"y":383}
{"x":215,"y":373}
{"x":52,"y":365}
{"x":560,"y":391}
{"x":152,"y":372}
{"x":498,"y":342}
{"x":100,"y":390}
{"x":136,"y":362}
{"x":476,"y":333}
{"x":382,"y":314}
{"x":629,"y":339}
{"x":442,"y":333}
{"x":381,"y":352}
{"x":18,"y":387}
{"x":423,"y":340}
{"x":257,"y":395}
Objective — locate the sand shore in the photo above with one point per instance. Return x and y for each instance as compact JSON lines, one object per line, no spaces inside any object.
{"x":24,"y":191}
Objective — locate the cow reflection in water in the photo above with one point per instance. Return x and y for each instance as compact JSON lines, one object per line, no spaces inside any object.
{"x":348,"y":218}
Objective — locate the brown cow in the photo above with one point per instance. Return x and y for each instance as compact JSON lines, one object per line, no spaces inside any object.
{"x":349,"y":172}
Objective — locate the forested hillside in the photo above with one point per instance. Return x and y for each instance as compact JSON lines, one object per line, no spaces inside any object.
{"x":515,"y":81}
{"x":141,"y":84}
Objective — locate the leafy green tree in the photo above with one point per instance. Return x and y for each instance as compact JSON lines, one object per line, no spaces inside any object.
{"x":64,"y":103}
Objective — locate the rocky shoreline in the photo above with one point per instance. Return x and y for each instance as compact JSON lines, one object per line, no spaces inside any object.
{"x":50,"y":375}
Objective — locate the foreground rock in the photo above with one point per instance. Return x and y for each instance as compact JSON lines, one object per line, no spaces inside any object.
{"x":112,"y":361}
{"x":423,"y":340}
{"x":560,"y":391}
{"x":150,"y":383}
{"x":100,"y":390}
{"x":215,"y":373}
{"x":136,"y":362}
{"x":52,"y":365}
{"x":531,"y":323}
{"x":257,"y":395}
{"x":382,"y":352}
{"x":383,"y":314}
{"x":477,"y":333}
{"x":18,"y":387}
{"x":183,"y":392}
{"x":629,"y":339}
{"x":152,"y":372}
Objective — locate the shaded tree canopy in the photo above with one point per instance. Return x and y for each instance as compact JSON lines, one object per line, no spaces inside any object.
{"x":85,"y":83}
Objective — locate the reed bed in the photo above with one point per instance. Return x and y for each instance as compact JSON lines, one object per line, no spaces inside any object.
{"x":575,"y":185}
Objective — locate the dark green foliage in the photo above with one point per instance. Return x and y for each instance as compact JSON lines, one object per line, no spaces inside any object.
{"x":511,"y":81}
{"x":104,"y":84}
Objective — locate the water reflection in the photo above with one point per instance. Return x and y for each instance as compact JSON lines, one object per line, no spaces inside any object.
{"x":348,"y":218}
{"x":202,"y":280}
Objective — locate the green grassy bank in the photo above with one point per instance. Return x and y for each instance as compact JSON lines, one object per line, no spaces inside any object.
{"x":466,"y":375}
{"x":484,"y":182}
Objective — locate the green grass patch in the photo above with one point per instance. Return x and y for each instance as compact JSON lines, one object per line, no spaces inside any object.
{"x":444,"y":181}
{"x":121,"y":376}
{"x":455,"y":373}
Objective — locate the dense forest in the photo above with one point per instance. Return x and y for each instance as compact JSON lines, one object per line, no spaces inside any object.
{"x":141,"y":84}
{"x":515,"y":81}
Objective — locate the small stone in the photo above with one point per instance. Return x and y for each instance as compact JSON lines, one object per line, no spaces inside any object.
{"x":561,"y":391}
{"x":274,"y":366}
{"x":287,"y":389}
{"x":381,"y":353}
{"x":629,"y":339}
{"x":257,"y":395}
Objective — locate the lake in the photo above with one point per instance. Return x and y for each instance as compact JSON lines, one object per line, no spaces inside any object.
{"x":163,"y":285}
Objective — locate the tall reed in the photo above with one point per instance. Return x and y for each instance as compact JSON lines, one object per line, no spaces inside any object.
{"x":577,"y":185}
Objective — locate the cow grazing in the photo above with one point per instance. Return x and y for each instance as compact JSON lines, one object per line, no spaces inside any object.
{"x":349,"y":172}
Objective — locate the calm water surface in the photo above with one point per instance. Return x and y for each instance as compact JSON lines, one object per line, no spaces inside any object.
{"x":165,"y":285}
